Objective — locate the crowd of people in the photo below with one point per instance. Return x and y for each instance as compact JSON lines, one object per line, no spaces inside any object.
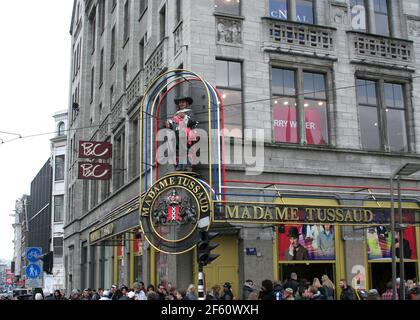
{"x":290,"y":289}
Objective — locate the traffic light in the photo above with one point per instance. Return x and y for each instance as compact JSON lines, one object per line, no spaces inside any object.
{"x":47,"y":260}
{"x":204,"y":247}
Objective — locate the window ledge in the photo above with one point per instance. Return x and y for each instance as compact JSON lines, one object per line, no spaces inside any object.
{"x":112,"y":65}
{"x":143,"y":13}
{"x":228,"y":15}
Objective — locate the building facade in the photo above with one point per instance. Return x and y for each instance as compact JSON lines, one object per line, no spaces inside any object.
{"x":58,"y":159}
{"x":20,"y":238}
{"x":334,"y":86}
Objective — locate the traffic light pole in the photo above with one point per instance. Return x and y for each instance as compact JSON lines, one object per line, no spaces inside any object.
{"x":201,"y":284}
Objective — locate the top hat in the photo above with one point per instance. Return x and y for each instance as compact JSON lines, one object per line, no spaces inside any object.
{"x":293,"y":232}
{"x":183,"y":98}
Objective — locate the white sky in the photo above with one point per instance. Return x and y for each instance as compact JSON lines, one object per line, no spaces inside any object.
{"x":34,"y":84}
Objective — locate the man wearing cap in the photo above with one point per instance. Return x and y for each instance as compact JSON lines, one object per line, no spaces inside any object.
{"x":183,"y":125}
{"x":295,"y":250}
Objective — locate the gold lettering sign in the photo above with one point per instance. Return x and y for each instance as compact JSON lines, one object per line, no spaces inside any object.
{"x":101,"y":233}
{"x":279,"y":213}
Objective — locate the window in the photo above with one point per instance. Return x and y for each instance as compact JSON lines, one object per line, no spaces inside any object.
{"x":61,"y":129}
{"x":85,"y":202}
{"x":101,"y":69}
{"x":305,"y":11}
{"x":178,"y":13}
{"x":119,"y":160}
{"x":283,"y":9}
{"x":278,"y":9}
{"x":112,"y":46}
{"x":58,"y":247}
{"x":382,"y":124}
{"x":134,"y":148}
{"x":229,"y":84}
{"x":358,"y":15}
{"x":59,"y":167}
{"x":101,"y":16}
{"x":126,"y":21}
{"x":362,"y":11}
{"x":125,"y":75}
{"x":162,"y":23}
{"x":93,"y":193}
{"x":92,"y":84}
{"x":92,"y":25}
{"x":315,"y":108}
{"x":141,"y":53}
{"x":143,"y":6}
{"x":381,"y":17}
{"x":290,"y":100}
{"x":59,"y":208}
{"x":111,"y":96}
{"x":228,"y":6}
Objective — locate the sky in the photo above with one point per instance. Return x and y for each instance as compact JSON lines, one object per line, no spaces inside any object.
{"x":34,"y":84}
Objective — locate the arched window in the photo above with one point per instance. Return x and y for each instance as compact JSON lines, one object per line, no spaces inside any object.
{"x":61,"y":128}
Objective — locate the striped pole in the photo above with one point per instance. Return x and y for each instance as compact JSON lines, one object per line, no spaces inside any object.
{"x":201,"y":286}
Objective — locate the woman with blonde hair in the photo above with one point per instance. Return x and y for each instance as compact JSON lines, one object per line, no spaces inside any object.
{"x":327,"y":288}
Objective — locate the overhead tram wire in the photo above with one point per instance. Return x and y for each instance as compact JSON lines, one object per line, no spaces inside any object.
{"x":21,"y":137}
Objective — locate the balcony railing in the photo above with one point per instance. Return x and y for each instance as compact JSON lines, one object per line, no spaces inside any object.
{"x":135,"y":90}
{"x":381,"y":50}
{"x":117,"y":113}
{"x":294,"y":36}
{"x":157,"y":61}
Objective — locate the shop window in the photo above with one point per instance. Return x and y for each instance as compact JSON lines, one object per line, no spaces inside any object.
{"x":59,"y":167}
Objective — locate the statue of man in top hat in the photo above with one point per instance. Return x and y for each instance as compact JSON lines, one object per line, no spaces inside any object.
{"x":183,"y":124}
{"x":295,"y":251}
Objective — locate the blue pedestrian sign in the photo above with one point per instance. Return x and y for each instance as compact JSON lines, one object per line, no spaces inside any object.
{"x":33,"y":271}
{"x":33,"y":254}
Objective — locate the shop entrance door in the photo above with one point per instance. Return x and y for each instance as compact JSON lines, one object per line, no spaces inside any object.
{"x":381,"y":273}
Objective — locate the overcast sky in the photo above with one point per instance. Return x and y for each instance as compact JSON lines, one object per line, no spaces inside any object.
{"x":34,"y":84}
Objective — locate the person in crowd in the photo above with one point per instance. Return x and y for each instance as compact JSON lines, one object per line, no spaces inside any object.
{"x":292,"y":283}
{"x":75,"y":295}
{"x":413,"y":289}
{"x":191,"y":293}
{"x":173,"y":292}
{"x":47,"y":294}
{"x":347,"y":292}
{"x":373,"y":294}
{"x":183,"y":294}
{"x":38,"y":296}
{"x":407,"y":249}
{"x":131,"y":295}
{"x":150,"y":287}
{"x":277,"y":290}
{"x":105,"y":295}
{"x":161,"y":291}
{"x":85,"y":295}
{"x":114,"y":292}
{"x":315,"y":294}
{"x":247,"y":289}
{"x":253,"y":296}
{"x":266,"y":292}
{"x":327,"y":288}
{"x":227,"y":292}
{"x":288,"y":294}
{"x":151,"y":295}
{"x":387,"y":295}
{"x":58,"y":295}
{"x":138,"y":291}
{"x":295,"y":251}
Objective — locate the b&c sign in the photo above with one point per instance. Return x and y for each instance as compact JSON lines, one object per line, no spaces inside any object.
{"x":95,"y":150}
{"x":95,"y":171}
